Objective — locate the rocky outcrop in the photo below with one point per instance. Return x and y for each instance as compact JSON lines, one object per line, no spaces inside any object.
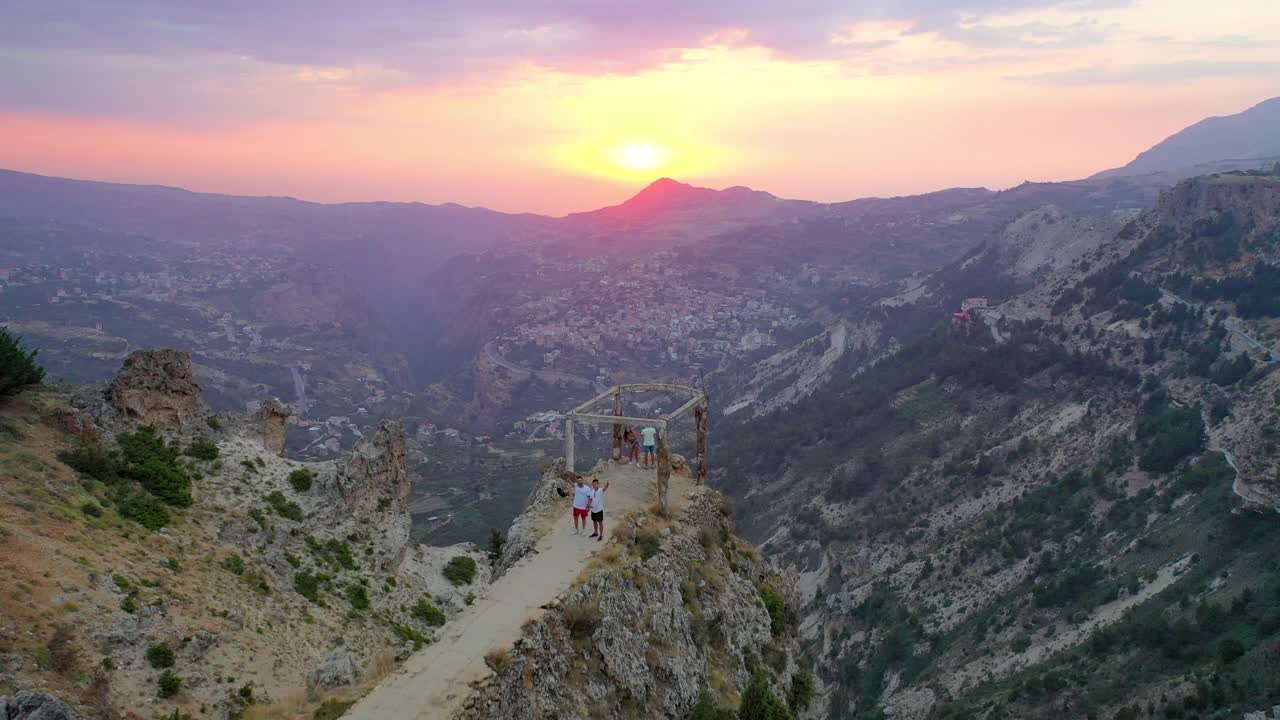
{"x":649,"y":635}
{"x":275,"y":422}
{"x":32,"y":705}
{"x":157,"y":387}
{"x":374,"y":482}
{"x":337,"y":670}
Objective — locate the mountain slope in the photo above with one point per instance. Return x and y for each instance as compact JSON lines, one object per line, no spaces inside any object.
{"x":1040,"y":510}
{"x":1251,"y":134}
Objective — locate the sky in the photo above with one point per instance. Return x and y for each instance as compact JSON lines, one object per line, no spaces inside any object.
{"x":557,"y":106}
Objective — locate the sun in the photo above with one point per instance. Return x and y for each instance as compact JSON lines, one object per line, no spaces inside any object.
{"x":640,"y":156}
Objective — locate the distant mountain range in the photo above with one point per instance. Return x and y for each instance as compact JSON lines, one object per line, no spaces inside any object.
{"x":1253,"y":135}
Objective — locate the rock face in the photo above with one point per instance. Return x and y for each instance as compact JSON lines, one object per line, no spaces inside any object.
{"x":275,"y":421}
{"x":157,"y":387}
{"x":31,"y":705}
{"x":645,"y":638}
{"x":374,"y":482}
{"x":337,"y":670}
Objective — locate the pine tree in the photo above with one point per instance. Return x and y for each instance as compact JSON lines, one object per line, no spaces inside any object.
{"x":18,"y":367}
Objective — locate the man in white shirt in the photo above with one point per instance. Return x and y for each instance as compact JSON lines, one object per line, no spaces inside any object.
{"x":649,"y":436}
{"x":581,"y":504}
{"x":597,"y":509}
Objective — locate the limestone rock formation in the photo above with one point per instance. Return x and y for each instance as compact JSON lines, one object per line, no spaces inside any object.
{"x":650,"y":633}
{"x":373,"y":481}
{"x":337,"y":670}
{"x":275,"y":421}
{"x":157,"y":387}
{"x":31,"y":705}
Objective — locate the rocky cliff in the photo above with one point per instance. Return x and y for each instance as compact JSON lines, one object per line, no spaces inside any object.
{"x":190,"y":568}
{"x":676,"y":614}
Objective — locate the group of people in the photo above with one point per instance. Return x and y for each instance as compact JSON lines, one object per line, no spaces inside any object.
{"x":649,"y":436}
{"x":588,"y":500}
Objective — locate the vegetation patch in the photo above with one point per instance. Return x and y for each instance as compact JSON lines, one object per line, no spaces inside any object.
{"x":283,"y":506}
{"x":460,"y":570}
{"x":301,"y":479}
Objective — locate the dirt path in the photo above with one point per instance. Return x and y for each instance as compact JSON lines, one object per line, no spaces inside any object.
{"x":435,"y":682}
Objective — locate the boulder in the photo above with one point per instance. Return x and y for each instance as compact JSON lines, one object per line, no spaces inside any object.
{"x":679,"y":465}
{"x":32,"y":705}
{"x":275,"y":421}
{"x":337,"y":670}
{"x":157,"y":387}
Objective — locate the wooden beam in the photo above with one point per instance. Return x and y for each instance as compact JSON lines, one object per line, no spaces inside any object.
{"x":700,"y":427}
{"x":617,"y":427}
{"x":595,"y":400}
{"x":568,"y":446}
{"x":680,"y":411}
{"x":664,"y":470}
{"x":611,"y":419}
{"x":658,"y":387}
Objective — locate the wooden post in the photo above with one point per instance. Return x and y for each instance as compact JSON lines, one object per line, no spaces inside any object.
{"x":568,"y":446}
{"x":700,"y":426}
{"x":617,"y":427}
{"x":664,"y":469}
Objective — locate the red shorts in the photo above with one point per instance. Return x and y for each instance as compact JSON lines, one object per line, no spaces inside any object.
{"x":580,"y":513}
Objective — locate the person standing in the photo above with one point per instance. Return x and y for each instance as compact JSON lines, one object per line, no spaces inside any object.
{"x":649,"y":436}
{"x":597,"y":509}
{"x":581,"y":504}
{"x":633,"y":446}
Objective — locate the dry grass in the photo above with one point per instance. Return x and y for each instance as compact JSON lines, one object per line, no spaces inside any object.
{"x":498,"y":660}
{"x":301,"y":704}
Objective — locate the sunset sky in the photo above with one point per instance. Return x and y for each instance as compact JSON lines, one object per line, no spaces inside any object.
{"x":557,"y":106}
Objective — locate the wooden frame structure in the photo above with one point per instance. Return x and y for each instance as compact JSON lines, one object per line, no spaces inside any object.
{"x":697,"y":404}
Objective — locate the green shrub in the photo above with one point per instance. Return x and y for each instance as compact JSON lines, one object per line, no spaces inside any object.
{"x":18,"y":367}
{"x":94,"y":463}
{"x":91,"y":509}
{"x":408,"y":634}
{"x":332,"y":709}
{"x":308,"y":585}
{"x":801,"y":693}
{"x":1230,"y":650}
{"x":497,"y":541}
{"x":169,"y":684}
{"x":174,"y":564}
{"x":233,"y":564}
{"x":202,"y":449}
{"x":144,"y":509}
{"x":708,"y":709}
{"x":759,"y":702}
{"x":213,"y":422}
{"x":776,"y":605}
{"x":646,"y":544}
{"x":130,"y":603}
{"x":428,"y":613}
{"x":155,"y":466}
{"x":358,"y":596}
{"x":283,"y":506}
{"x":461,"y":570}
{"x":160,"y":656}
{"x":301,"y":479}
{"x":249,"y":466}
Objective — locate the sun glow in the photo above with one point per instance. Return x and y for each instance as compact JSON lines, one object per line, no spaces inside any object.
{"x":640,"y":156}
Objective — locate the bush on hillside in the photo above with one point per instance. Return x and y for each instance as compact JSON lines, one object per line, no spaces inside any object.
{"x":169,"y":684}
{"x":708,"y":709}
{"x":460,"y":570}
{"x":160,"y":656}
{"x":202,"y":449}
{"x":428,"y":613}
{"x":759,"y":702}
{"x":301,"y":479}
{"x":144,"y":509}
{"x":283,"y":506}
{"x":18,"y":367}
{"x":774,"y":603}
{"x":154,"y":465}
